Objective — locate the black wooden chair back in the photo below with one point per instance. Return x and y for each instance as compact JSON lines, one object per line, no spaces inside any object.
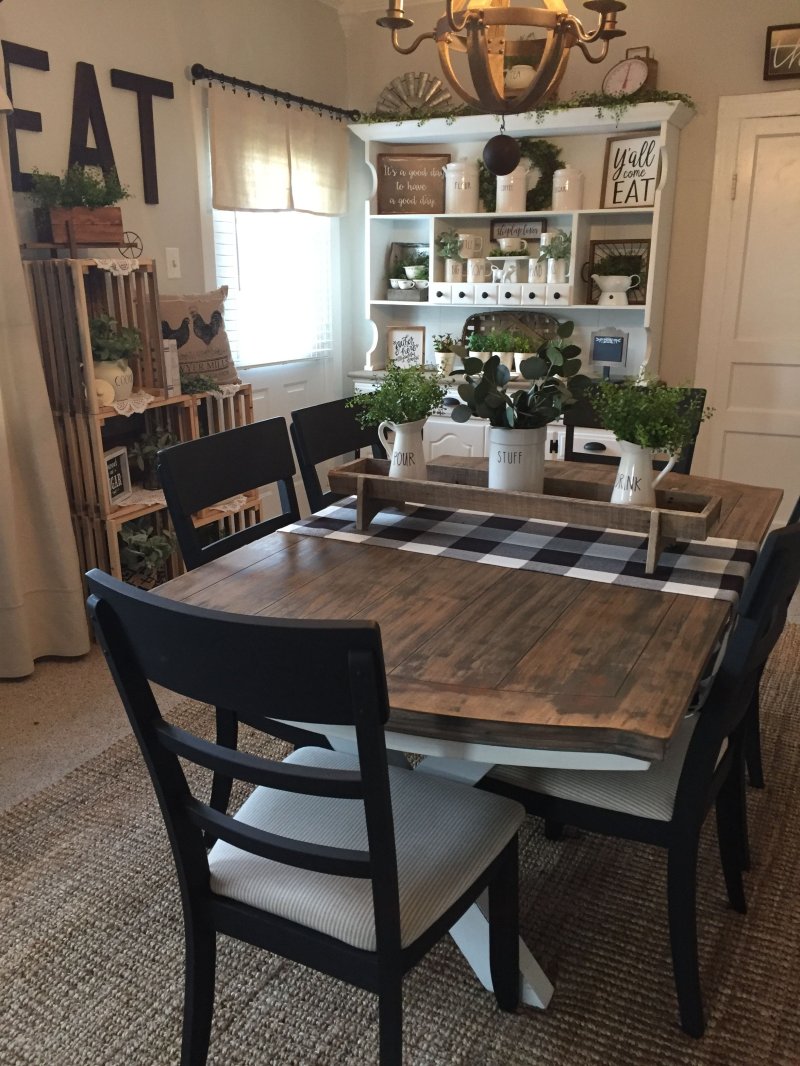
{"x":583,"y":415}
{"x":201,"y":473}
{"x":252,"y":666}
{"x":324,"y":432}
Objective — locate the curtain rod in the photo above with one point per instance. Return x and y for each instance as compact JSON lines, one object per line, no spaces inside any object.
{"x":201,"y":73}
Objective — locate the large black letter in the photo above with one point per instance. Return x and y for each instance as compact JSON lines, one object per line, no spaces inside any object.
{"x":145,"y":89}
{"x":88,"y":107}
{"x":21,"y":119}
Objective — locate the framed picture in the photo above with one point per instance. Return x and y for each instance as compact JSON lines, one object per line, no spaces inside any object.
{"x":530,"y":229}
{"x":630,"y":171}
{"x":782,"y":52}
{"x":628,"y":256}
{"x":410,"y":183}
{"x":406,"y":345}
{"x":118,"y":474}
{"x":608,"y":349}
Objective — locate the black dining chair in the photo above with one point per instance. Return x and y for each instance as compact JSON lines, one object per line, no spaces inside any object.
{"x":200,"y":473}
{"x":666,"y":805}
{"x":323,"y":432}
{"x":583,"y":415}
{"x":336,"y":861}
{"x":752,"y":744}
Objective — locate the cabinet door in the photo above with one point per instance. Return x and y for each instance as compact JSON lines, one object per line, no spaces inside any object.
{"x":443,"y":436}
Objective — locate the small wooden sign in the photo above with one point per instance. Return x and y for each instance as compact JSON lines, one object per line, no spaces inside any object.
{"x":530,"y":229}
{"x":118,"y":474}
{"x":411,"y":184}
{"x":406,"y":345}
{"x":630,"y":171}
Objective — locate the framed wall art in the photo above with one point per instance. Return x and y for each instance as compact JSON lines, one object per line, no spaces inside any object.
{"x":630,"y":171}
{"x":411,"y":183}
{"x":619,"y":256}
{"x":118,"y":475}
{"x":406,"y":345}
{"x":782,"y":52}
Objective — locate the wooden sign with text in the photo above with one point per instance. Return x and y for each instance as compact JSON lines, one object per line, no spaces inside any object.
{"x":410,"y":184}
{"x":630,"y":171}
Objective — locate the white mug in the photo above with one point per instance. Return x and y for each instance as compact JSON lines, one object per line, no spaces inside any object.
{"x":512,"y":244}
{"x":470,"y":244}
{"x":477,"y":269}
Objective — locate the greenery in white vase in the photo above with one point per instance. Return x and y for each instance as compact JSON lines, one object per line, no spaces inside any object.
{"x":649,"y":413}
{"x":406,"y":394}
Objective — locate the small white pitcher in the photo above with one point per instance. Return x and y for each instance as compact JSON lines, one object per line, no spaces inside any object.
{"x":408,"y":458}
{"x":635,"y":483}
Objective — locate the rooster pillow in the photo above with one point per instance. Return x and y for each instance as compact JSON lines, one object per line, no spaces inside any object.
{"x":197,"y":323}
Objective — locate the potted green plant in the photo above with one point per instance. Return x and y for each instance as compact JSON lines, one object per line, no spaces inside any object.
{"x":401,"y":404}
{"x":449,"y":248}
{"x":79,"y":204}
{"x":517,"y":420}
{"x":646,"y":416}
{"x":444,"y":346}
{"x":416,"y":266}
{"x":112,"y":347}
{"x":144,"y":551}
{"x":555,"y":250}
{"x":142,"y":454}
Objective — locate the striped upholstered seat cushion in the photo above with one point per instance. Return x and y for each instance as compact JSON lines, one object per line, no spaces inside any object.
{"x":446,"y":834}
{"x":645,"y":793}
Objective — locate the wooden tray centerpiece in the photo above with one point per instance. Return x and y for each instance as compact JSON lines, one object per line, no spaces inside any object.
{"x":456,"y":483}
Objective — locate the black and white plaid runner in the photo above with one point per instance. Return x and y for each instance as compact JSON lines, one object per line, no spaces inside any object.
{"x":713,"y":568}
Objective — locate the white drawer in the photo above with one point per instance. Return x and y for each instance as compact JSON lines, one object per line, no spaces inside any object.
{"x":462,"y":293}
{"x":509,"y":294}
{"x":486,"y":293}
{"x":558,"y":293}
{"x":534,"y":294}
{"x":599,"y":441}
{"x":439,"y":292}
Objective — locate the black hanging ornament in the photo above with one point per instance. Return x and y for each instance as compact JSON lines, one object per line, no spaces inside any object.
{"x":501,"y":154}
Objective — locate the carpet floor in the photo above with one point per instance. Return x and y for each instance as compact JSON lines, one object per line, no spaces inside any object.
{"x":91,"y":955}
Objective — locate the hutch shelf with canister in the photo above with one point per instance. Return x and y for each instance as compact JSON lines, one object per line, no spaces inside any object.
{"x":108,"y":494}
{"x":638,"y":223}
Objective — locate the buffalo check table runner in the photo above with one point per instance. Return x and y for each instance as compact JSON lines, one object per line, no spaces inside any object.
{"x":712,"y":568}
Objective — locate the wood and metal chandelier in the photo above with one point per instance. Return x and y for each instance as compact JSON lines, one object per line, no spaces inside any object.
{"x":480,"y":29}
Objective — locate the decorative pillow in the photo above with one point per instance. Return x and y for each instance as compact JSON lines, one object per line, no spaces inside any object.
{"x":197,"y":323}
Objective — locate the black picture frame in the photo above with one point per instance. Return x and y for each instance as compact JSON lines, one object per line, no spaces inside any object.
{"x":782,"y":52}
{"x":628,"y":246}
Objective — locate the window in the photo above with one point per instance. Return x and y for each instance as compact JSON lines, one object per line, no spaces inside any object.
{"x":278,"y":269}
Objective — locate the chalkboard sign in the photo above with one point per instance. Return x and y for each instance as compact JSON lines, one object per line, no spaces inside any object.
{"x":410,"y":184}
{"x":609,"y":347}
{"x":118,"y":474}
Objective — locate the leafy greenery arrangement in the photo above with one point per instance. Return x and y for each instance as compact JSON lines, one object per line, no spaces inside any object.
{"x":497,"y":253}
{"x":142,"y":453}
{"x":406,"y":394}
{"x":544,"y":156}
{"x":144,"y":551}
{"x":191,"y":384}
{"x":77,"y":187}
{"x":449,"y":244}
{"x":555,"y":384}
{"x":443,"y":342}
{"x":111,"y":342}
{"x":649,"y":413}
{"x":559,"y":247}
{"x":620,"y":265}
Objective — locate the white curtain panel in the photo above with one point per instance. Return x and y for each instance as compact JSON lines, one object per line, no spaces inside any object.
{"x":41,"y":591}
{"x":275,"y":158}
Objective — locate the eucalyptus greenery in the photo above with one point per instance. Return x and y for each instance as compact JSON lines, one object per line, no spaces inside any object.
{"x":406,"y":394}
{"x":554,"y":384}
{"x":649,"y":413}
{"x":111,"y":342}
{"x":77,"y":187}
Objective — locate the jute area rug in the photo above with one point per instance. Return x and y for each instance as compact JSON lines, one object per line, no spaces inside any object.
{"x":91,"y":963}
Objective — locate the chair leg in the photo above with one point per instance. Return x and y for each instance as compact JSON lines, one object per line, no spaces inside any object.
{"x":732,"y":836}
{"x":227,"y":737}
{"x":553,"y":830}
{"x":752,"y":744}
{"x":504,"y":930}
{"x":390,"y":1021}
{"x":682,"y":907}
{"x":198,"y":1004}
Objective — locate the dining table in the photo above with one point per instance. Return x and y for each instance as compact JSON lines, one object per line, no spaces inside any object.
{"x":500,"y":646}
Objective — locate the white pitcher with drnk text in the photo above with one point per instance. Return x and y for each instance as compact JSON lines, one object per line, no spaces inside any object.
{"x":635,"y":483}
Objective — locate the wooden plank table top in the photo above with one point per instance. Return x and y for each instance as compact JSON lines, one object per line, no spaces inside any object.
{"x":489,"y":655}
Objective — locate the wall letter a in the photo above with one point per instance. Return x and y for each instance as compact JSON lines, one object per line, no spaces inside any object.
{"x":87,"y":107}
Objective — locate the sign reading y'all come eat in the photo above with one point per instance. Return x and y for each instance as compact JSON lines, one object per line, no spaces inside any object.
{"x":630,"y":173}
{"x":410,"y":184}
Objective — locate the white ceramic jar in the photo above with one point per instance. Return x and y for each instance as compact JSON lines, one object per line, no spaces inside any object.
{"x":568,"y":189}
{"x":512,"y":189}
{"x":460,"y":187}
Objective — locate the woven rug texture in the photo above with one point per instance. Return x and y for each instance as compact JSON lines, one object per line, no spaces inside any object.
{"x":91,"y":954}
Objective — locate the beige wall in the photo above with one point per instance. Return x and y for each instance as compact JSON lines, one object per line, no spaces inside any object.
{"x":706,"y":48}
{"x":296,"y":45}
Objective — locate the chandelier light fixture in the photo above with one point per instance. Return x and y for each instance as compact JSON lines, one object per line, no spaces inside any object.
{"x":479,"y":29}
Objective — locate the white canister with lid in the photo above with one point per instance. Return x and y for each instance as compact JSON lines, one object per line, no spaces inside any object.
{"x":512,"y":189}
{"x":568,"y":189}
{"x":461,"y":187}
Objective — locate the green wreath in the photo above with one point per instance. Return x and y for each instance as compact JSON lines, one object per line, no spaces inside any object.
{"x":545,"y":156}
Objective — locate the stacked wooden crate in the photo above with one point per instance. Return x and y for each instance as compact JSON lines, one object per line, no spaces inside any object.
{"x":67,"y":293}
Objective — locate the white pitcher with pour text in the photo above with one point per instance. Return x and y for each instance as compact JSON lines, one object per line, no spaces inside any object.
{"x":407,"y":456}
{"x":634,"y":483}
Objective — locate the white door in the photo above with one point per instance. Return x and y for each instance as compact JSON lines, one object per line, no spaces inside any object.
{"x":749,"y":348}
